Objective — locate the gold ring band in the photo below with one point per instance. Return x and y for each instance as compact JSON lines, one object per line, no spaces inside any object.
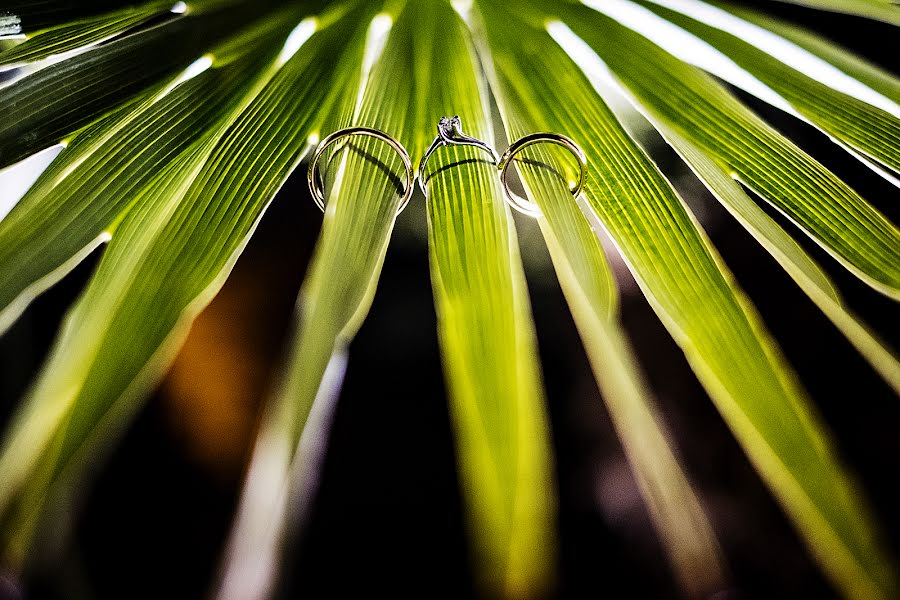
{"x":316,"y":188}
{"x":521,"y":204}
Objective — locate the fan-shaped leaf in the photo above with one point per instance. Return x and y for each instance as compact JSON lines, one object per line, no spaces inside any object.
{"x":70,"y":37}
{"x":98,"y":176}
{"x":865,"y":121}
{"x":880,"y":10}
{"x":165,"y":261}
{"x":590,"y":291}
{"x":826,"y":208}
{"x":45,"y":107}
{"x":697,"y":300}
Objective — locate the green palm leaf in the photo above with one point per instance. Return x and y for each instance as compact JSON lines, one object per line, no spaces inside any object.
{"x":37,"y":114}
{"x":798,"y":264}
{"x":697,"y":300}
{"x":364,"y":184}
{"x":585,"y":279}
{"x":103,"y":170}
{"x":498,"y":413}
{"x":79,"y":35}
{"x":592,"y":296}
{"x":858,"y":68}
{"x":713,"y":167}
{"x":718,"y":177}
{"x":487,"y":339}
{"x":177,"y":245}
{"x":826,"y":208}
{"x":180,"y":128}
{"x":862,"y":125}
{"x":881,"y":10}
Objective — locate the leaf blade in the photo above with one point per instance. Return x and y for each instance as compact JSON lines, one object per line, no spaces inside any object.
{"x":71,"y":37}
{"x":486,"y":335}
{"x":697,"y":300}
{"x":869,"y":74}
{"x":853,"y":120}
{"x":173,"y":253}
{"x":45,"y":107}
{"x":818,"y":202}
{"x":95,"y":180}
{"x":590,"y":291}
{"x":798,"y":264}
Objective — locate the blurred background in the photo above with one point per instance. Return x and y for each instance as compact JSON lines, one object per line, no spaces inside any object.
{"x":388,"y":517}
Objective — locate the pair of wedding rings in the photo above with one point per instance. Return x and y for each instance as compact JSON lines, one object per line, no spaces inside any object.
{"x":450,"y":133}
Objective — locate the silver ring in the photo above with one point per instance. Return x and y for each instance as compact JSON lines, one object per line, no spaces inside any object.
{"x":450,"y":133}
{"x":521,"y":204}
{"x":315,"y":184}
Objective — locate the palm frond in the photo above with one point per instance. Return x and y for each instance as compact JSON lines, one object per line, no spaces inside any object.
{"x":78,"y":36}
{"x":51,"y":104}
{"x":168,"y":256}
{"x":505,"y":467}
{"x":825,"y":207}
{"x":880,"y":10}
{"x":487,"y":338}
{"x":592,"y":296}
{"x":363,"y":196}
{"x":695,"y":296}
{"x":723,"y":180}
{"x":180,"y":124}
{"x":850,"y":113}
{"x":868,"y":74}
{"x":102,"y":171}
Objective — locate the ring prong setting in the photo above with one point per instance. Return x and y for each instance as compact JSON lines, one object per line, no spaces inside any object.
{"x":450,"y":128}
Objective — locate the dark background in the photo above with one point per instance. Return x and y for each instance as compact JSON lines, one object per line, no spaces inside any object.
{"x":388,"y":517}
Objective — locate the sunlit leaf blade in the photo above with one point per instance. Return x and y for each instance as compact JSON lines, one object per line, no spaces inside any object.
{"x":32,"y":453}
{"x":179,"y":180}
{"x":69,"y":37}
{"x":165,"y":261}
{"x":493,"y":379}
{"x":683,"y":526}
{"x":798,"y":264}
{"x":78,"y":198}
{"x":826,"y":208}
{"x":871,"y":75}
{"x":871,"y":129}
{"x":335,"y":298}
{"x":45,"y":107}
{"x":487,"y":339}
{"x":879,"y":10}
{"x":590,"y":291}
{"x":721,"y":334}
{"x":364,"y":182}
{"x":27,"y":16}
